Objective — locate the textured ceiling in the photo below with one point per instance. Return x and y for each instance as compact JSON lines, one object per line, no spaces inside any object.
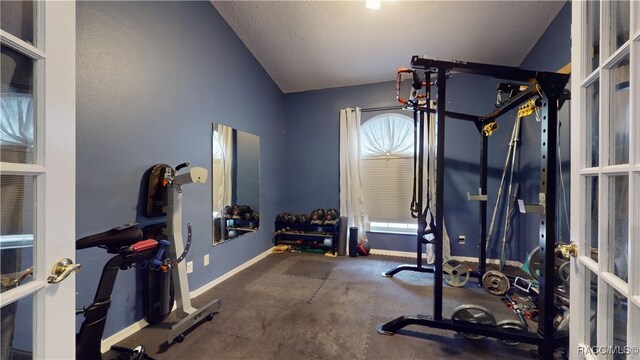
{"x":307,"y":45}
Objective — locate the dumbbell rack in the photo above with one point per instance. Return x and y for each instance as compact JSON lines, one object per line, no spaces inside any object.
{"x":549,"y":87}
{"x":306,"y":234}
{"x":243,"y":226}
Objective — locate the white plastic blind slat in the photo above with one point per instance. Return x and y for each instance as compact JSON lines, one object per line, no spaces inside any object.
{"x":388,"y":189}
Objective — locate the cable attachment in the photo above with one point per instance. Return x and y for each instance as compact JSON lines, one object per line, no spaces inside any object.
{"x":416,"y":97}
{"x":528,"y":108}
{"x":489,"y":128}
{"x":414,"y":210}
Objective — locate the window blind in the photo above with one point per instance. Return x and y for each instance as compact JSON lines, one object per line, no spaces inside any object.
{"x":387,"y":187}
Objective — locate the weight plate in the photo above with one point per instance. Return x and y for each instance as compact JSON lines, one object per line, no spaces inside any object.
{"x":533,"y":262}
{"x":495,"y":282}
{"x":474,"y":314}
{"x":455,"y":273}
{"x":563,"y":273}
{"x":512,"y":325}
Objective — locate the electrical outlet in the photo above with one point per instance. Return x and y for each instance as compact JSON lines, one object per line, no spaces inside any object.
{"x":206,"y":260}
{"x":461,"y":239}
{"x":189,"y":267}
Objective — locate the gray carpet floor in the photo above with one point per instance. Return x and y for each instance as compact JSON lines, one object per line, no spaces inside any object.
{"x":310,"y":306}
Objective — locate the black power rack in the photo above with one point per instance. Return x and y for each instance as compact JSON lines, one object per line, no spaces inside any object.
{"x":550,"y":89}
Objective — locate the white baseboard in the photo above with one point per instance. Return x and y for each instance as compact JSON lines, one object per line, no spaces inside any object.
{"x":229,"y":274}
{"x":406,"y":254}
{"x":139,"y":325}
{"x":413,"y":255}
{"x":122,"y":334}
{"x":514,"y":263}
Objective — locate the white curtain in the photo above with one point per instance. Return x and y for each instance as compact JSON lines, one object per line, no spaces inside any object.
{"x":387,"y":135}
{"x":351,"y":192}
{"x":16,"y":120}
{"x":217,"y":174}
{"x":221,"y":168}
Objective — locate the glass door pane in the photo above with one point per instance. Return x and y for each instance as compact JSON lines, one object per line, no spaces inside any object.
{"x":591,"y":202}
{"x":593,"y":36}
{"x":620,"y":24}
{"x":618,"y":226}
{"x":17,"y":194}
{"x":619,"y":113}
{"x":592,"y":308}
{"x":18,"y":19}
{"x":619,"y":323}
{"x":17,"y":329}
{"x":17,"y":111}
{"x":593,"y":124}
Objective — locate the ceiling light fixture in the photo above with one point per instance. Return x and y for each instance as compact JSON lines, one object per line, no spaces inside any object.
{"x":373,"y":4}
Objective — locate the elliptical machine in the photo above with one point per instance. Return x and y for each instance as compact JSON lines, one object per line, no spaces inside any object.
{"x":126,"y":243}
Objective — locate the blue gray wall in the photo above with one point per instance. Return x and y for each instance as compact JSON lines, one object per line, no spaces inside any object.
{"x":551,"y":53}
{"x":151,"y":78}
{"x":312,"y":152}
{"x":312,"y":148}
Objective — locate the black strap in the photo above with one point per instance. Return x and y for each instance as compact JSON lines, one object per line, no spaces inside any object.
{"x":428,"y":143}
{"x":427,"y":208}
{"x":414,"y":205}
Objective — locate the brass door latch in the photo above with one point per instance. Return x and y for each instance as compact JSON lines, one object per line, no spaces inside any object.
{"x":569,"y":249}
{"x":61,"y":270}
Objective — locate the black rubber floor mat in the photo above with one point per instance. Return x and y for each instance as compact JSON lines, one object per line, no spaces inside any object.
{"x":311,"y":269}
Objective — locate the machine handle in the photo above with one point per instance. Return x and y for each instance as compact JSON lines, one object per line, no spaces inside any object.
{"x":399,"y":82}
{"x":181,"y":166}
{"x":143,"y":245}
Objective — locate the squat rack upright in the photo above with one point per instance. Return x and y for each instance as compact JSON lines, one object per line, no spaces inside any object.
{"x":549,"y":87}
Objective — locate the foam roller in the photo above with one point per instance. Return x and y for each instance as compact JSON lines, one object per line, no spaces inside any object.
{"x":342,"y":236}
{"x":353,"y":241}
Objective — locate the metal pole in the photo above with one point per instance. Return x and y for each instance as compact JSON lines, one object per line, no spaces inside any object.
{"x":548,"y":138}
{"x":509,"y":199}
{"x":484,"y":163}
{"x":421,"y":215}
{"x":501,"y":187}
{"x":440,"y":115}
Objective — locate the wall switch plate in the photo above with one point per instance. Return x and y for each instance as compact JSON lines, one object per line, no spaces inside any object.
{"x":189,"y":267}
{"x":206,"y":260}
{"x":461,"y":239}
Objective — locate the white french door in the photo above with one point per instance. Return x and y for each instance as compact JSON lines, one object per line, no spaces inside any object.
{"x":37,"y":178}
{"x":605,"y":180}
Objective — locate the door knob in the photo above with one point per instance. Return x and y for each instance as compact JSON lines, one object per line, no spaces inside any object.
{"x":61,"y":270}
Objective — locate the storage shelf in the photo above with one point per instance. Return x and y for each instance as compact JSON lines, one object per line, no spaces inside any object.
{"x":307,"y":234}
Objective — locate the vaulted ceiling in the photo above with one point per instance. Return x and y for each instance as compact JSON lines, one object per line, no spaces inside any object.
{"x":307,"y":45}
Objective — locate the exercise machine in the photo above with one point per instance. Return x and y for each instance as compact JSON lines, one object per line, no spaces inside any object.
{"x":549,"y":88}
{"x":126,"y":243}
{"x":165,"y":197}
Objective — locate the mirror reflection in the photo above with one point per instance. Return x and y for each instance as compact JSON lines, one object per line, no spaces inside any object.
{"x":235,"y":178}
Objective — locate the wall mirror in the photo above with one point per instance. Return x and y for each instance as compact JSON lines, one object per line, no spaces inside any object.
{"x":235,"y":179}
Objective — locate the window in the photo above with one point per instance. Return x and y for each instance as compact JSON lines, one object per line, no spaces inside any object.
{"x":387,"y":168}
